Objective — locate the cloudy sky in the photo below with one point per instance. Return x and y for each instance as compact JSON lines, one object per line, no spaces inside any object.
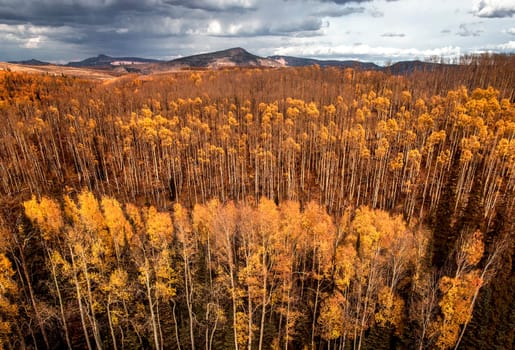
{"x":370,"y":30}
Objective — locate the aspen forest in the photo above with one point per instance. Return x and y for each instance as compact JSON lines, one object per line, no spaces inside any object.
{"x":259,"y":208}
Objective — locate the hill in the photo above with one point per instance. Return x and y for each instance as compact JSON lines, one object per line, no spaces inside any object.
{"x":51,"y":69}
{"x":108,"y":61}
{"x":292,"y":61}
{"x":32,"y":62}
{"x":235,"y":57}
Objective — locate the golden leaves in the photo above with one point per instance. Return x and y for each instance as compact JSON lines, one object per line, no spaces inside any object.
{"x":391,"y":309}
{"x":473,"y":248}
{"x":8,"y":289}
{"x":158,"y":226}
{"x":455,"y":306}
{"x":89,"y":211}
{"x":331,"y":318}
{"x":46,"y":214}
{"x":116,"y":222}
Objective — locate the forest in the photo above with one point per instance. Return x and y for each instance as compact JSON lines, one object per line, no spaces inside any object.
{"x":271,"y":208}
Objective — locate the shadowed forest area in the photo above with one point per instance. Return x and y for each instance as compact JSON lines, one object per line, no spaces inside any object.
{"x":288,"y":208}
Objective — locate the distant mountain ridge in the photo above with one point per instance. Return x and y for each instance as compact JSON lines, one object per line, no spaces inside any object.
{"x":233,"y":57}
{"x":106,"y":61}
{"x":404,"y":67}
{"x":32,"y":62}
{"x":292,"y":61}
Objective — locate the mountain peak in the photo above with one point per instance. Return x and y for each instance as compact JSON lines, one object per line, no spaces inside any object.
{"x":236,"y":51}
{"x":233,"y":57}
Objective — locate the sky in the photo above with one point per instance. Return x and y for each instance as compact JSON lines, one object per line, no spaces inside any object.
{"x":380,"y":31}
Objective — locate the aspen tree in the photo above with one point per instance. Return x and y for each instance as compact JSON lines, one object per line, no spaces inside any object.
{"x":47,"y":214}
{"x":287,"y":239}
{"x":189,"y":251}
{"x":223,"y":231}
{"x":320,"y":233}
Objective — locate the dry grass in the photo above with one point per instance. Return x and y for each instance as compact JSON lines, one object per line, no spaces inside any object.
{"x":84,"y":73}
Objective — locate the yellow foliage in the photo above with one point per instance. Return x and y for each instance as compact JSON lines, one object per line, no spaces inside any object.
{"x":391,"y":309}
{"x":268,"y":217}
{"x":89,"y":211}
{"x":330,"y":320}
{"x":118,"y":226}
{"x":455,"y":306}
{"x":320,"y":231}
{"x":363,"y":225}
{"x":118,"y":285}
{"x":345,"y":265}
{"x":474,"y":248}
{"x":8,"y":289}
{"x":181,"y":217}
{"x":165,"y":275}
{"x":382,"y":148}
{"x":241,"y":326}
{"x":398,"y":162}
{"x":158,"y":226}
{"x":46,"y":214}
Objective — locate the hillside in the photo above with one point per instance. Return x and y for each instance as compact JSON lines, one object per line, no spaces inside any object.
{"x":51,"y":69}
{"x":32,"y":62}
{"x":298,"y":207}
{"x":105,"y":61}
{"x":235,"y":57}
{"x":291,"y":61}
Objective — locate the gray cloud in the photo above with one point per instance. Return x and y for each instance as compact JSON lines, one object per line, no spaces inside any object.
{"x":494,"y":8}
{"x":150,"y":28}
{"x":77,"y":12}
{"x":344,"y":2}
{"x":304,"y":27}
{"x":393,"y":35}
{"x":216,"y":5}
{"x":374,"y":12}
{"x":307,"y":24}
{"x":340,"y":12}
{"x":470,"y":29}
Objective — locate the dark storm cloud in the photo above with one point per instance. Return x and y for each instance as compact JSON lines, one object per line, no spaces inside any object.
{"x":88,"y":12}
{"x":139,"y":27}
{"x":153,"y":28}
{"x":157,"y":17}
